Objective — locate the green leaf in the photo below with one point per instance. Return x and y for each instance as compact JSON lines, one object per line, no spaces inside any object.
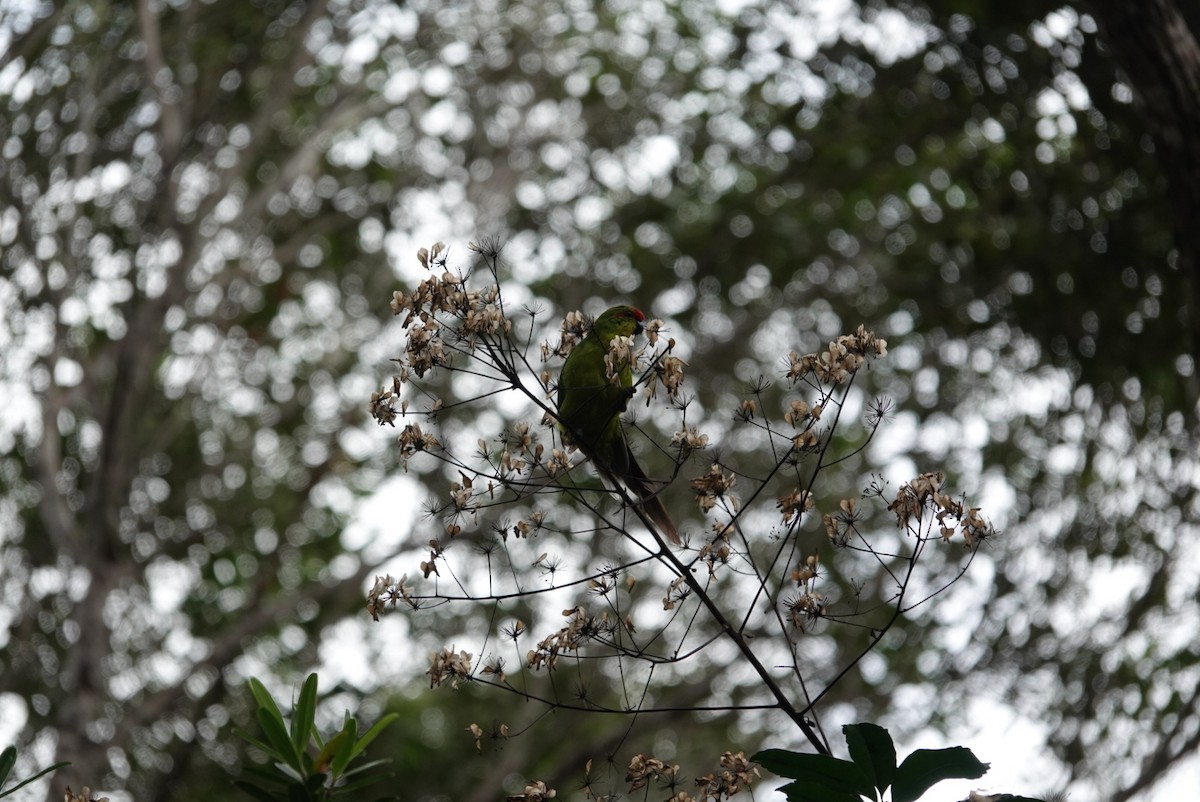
{"x":37,"y":776}
{"x":363,"y":776}
{"x":326,"y":759}
{"x":263,"y":697}
{"x":811,"y":791}
{"x":372,"y":733}
{"x":360,"y":783}
{"x":8,"y":759}
{"x":288,"y":775}
{"x":383,"y":761}
{"x":828,"y":774}
{"x":346,"y":746}
{"x":255,"y":742}
{"x":926,"y":767}
{"x":304,"y":712}
{"x":872,"y":750}
{"x":277,"y":737}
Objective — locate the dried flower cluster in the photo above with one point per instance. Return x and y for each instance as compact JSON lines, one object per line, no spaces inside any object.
{"x":717,"y":550}
{"x":799,"y":413}
{"x":413,"y":439}
{"x":795,"y":503}
{"x":386,"y":592}
{"x":381,"y":404}
{"x":924,"y":494}
{"x":435,"y":553}
{"x":535,"y":791}
{"x":644,"y":770}
{"x":840,"y":526}
{"x":713,"y":486}
{"x":803,"y":609}
{"x":430,"y":343}
{"x":448,"y":666}
{"x":676,"y":593}
{"x":688,"y":440}
{"x":667,"y":372}
{"x":520,"y":447}
{"x":527,"y":526}
{"x":424,"y":349}
{"x":734,"y":775}
{"x":840,"y":361}
{"x":579,"y":630}
{"x":807,"y":605}
{"x":477,"y":733}
{"x":83,"y":796}
{"x":622,"y":355}
{"x":478,"y":311}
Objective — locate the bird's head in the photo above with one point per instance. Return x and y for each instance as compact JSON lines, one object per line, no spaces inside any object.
{"x":619,"y":321}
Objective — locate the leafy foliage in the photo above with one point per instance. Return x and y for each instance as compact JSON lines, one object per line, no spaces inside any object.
{"x":872,"y":769}
{"x":304,"y":765}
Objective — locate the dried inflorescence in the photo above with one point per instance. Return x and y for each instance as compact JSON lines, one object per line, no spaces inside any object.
{"x":794,"y":504}
{"x":424,"y":350}
{"x":840,"y":361}
{"x":535,"y":791}
{"x":676,"y":593}
{"x":623,"y":354}
{"x":924,"y":495}
{"x":449,"y":666}
{"x":712,"y":486}
{"x":468,"y":315}
{"x":807,"y":606}
{"x":386,"y":592}
{"x":688,"y":440}
{"x":581,"y":627}
{"x":667,"y":373}
{"x":643,"y":770}
{"x":734,"y":775}
{"x":530,"y":524}
{"x":478,"y":733}
{"x":413,"y":439}
{"x":83,"y":796}
{"x":382,"y":409}
{"x":447,"y":293}
{"x":840,"y":526}
{"x":804,"y":609}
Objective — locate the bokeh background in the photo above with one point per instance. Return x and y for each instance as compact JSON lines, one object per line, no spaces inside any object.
{"x":206,"y":205}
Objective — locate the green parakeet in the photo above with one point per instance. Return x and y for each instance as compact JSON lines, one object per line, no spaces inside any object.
{"x":590,"y":406}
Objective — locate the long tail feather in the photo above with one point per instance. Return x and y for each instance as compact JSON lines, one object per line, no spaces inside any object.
{"x":642,"y":486}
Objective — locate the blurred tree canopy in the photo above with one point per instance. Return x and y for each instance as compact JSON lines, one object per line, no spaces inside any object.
{"x":205,"y":206}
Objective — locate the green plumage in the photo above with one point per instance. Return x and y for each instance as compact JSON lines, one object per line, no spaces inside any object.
{"x":590,"y":406}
